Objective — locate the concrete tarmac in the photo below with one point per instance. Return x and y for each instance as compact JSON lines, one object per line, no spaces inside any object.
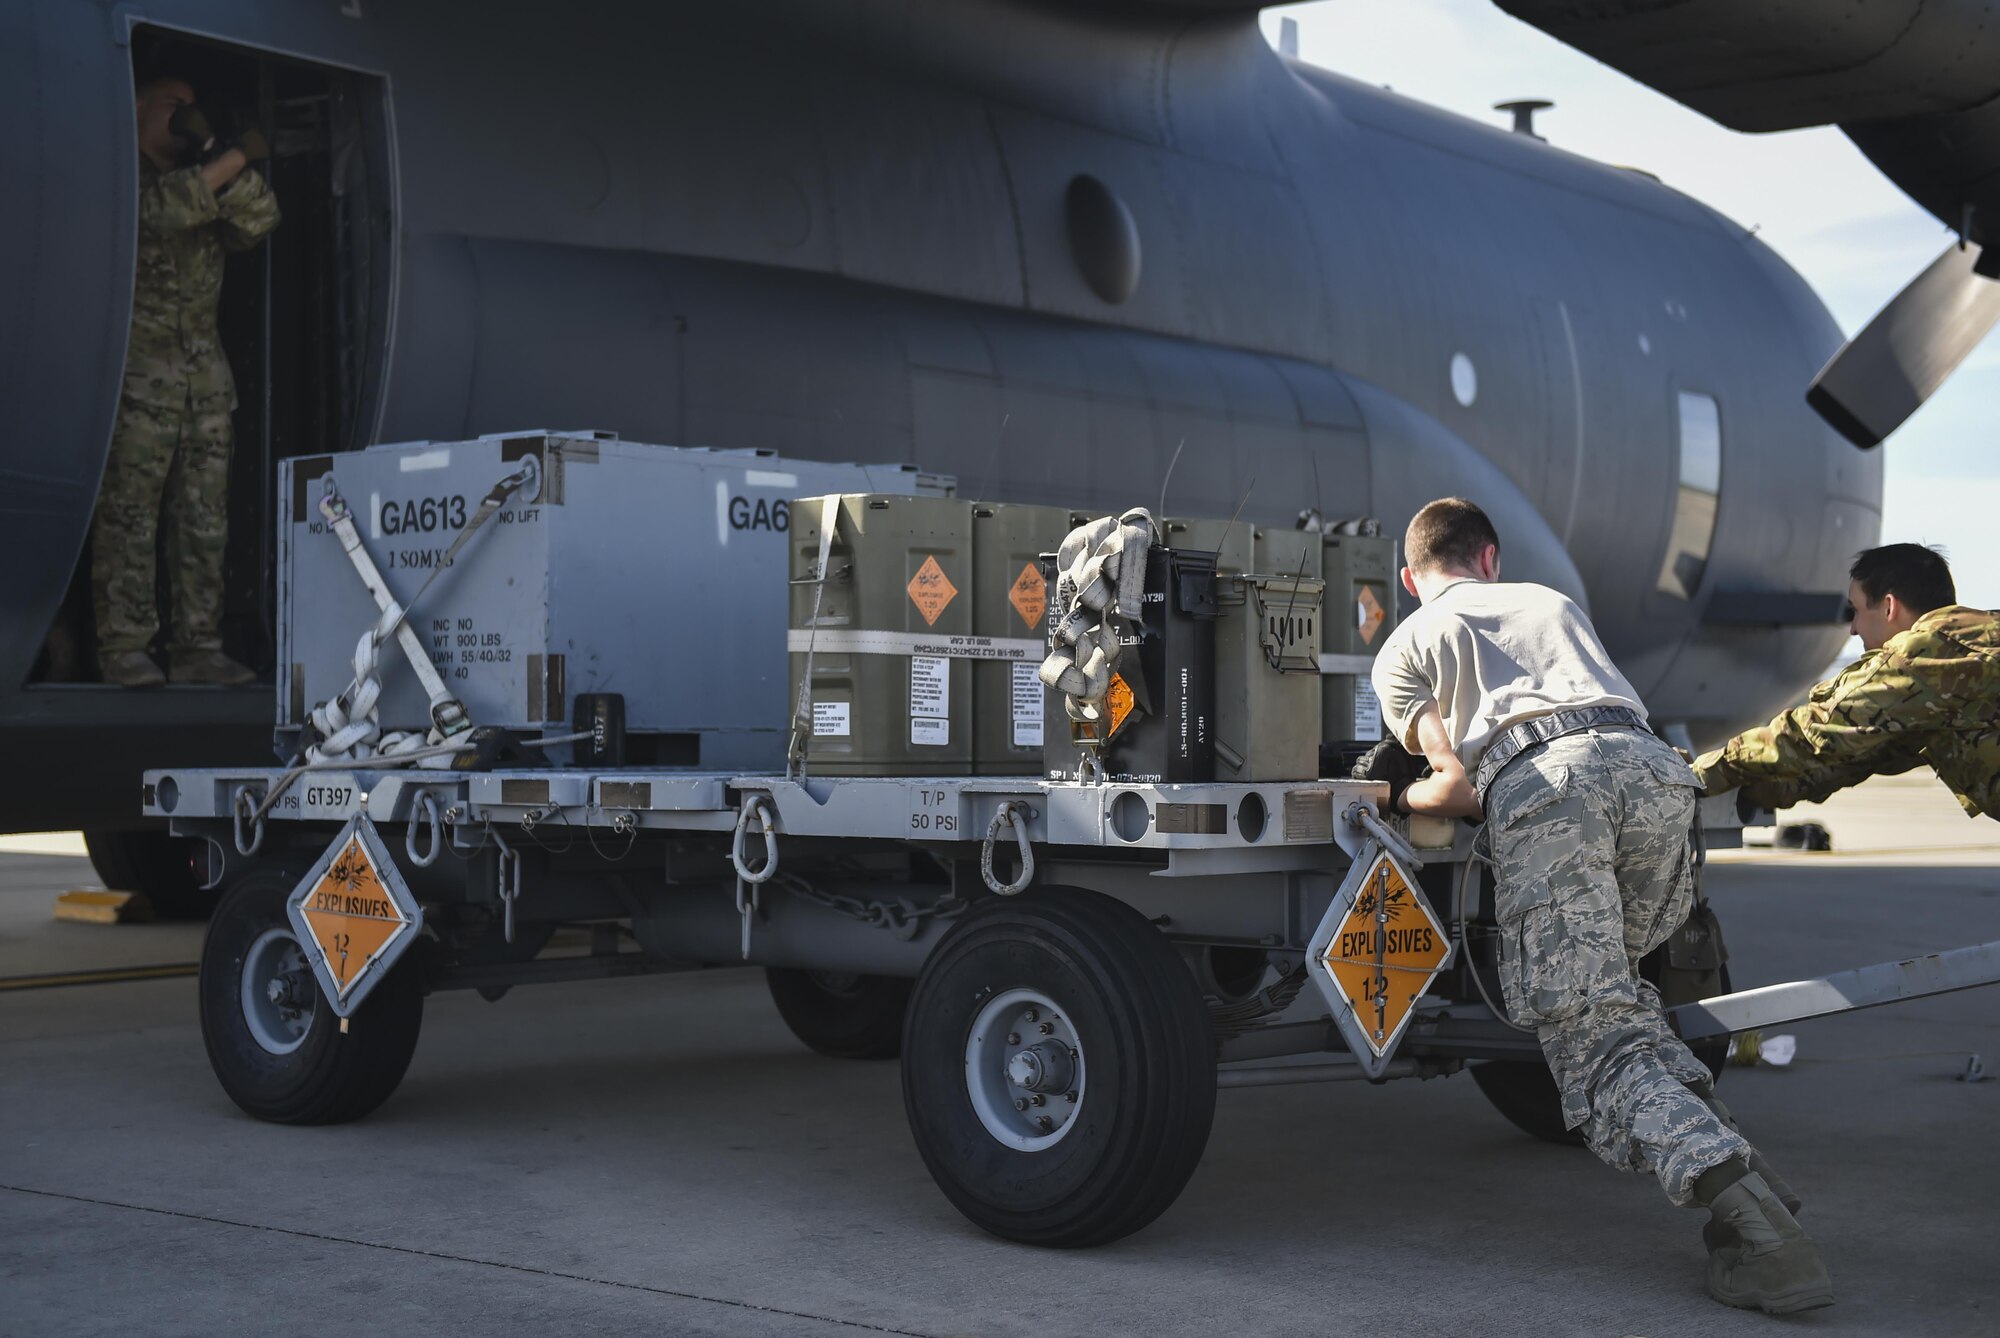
{"x":660,"y":1156}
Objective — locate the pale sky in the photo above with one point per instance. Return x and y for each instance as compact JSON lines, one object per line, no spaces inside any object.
{"x":1810,"y":194}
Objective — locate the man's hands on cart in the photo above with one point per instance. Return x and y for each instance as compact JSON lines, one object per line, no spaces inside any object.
{"x":1390,"y":762}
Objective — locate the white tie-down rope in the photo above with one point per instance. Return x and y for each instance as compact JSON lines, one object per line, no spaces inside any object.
{"x":1100,"y":591}
{"x":347,"y":726}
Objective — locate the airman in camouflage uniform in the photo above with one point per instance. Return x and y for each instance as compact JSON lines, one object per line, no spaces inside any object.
{"x":170,"y":449}
{"x":1590,"y":836}
{"x":1510,"y":695}
{"x":1926,"y":690}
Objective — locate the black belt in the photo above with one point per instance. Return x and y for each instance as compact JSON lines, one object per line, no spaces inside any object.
{"x":1517,"y":739}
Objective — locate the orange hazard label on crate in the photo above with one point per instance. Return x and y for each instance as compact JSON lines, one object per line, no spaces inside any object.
{"x":351,"y":915}
{"x":1368,"y":615}
{"x":1030,"y":596}
{"x":1118,"y":703}
{"x":930,"y":590}
{"x":1385,"y":952}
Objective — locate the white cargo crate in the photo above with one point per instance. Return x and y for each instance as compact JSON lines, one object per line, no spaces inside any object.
{"x":656,"y":572}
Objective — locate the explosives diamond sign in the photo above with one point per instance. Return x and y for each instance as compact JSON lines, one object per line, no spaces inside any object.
{"x":1118,"y":703}
{"x":1030,"y":596}
{"x":354,"y":915}
{"x":930,"y":590}
{"x":1375,"y":954}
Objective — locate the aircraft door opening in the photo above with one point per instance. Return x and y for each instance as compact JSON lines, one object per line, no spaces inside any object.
{"x":302,"y":316}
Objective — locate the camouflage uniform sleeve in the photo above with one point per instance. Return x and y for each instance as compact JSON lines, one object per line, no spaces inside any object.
{"x":176,"y":201}
{"x":1852,"y":727}
{"x":249,"y":211}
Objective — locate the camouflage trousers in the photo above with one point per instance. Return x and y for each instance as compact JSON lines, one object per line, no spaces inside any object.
{"x":1590,"y":842}
{"x":170,"y":463}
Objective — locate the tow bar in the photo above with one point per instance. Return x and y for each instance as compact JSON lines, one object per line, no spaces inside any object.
{"x":1842,"y":992}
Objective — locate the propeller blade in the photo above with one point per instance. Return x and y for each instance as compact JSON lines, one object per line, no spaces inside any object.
{"x":1884,"y":374}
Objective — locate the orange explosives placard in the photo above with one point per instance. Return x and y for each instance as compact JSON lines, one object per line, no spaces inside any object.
{"x":1118,"y":703}
{"x":1030,"y":596}
{"x":930,"y":590}
{"x":1383,"y":955}
{"x":351,"y":915}
{"x":1368,"y":615}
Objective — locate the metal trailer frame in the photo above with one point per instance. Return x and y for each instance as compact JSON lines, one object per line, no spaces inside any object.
{"x":859,"y":878}
{"x":1246,"y":866}
{"x":1229,"y":865}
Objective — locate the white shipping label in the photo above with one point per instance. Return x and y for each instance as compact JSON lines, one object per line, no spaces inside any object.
{"x":830,"y":719}
{"x":930,"y":686}
{"x":1367,"y":710}
{"x":1027,"y":694}
{"x":929,"y":731}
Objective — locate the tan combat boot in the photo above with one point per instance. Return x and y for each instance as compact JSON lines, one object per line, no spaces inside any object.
{"x":130,"y":669}
{"x":209,"y":666}
{"x":1759,"y":1258}
{"x":1786,"y":1194}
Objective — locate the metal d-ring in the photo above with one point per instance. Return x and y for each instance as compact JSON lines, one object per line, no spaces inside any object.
{"x":243,"y":813}
{"x":759,"y":806}
{"x":1011,"y":813}
{"x":426,"y":808}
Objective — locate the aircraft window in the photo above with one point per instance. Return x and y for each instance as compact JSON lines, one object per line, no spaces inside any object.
{"x":1695,"y":504}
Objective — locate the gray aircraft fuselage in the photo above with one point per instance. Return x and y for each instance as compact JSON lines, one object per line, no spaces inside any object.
{"x":849,"y":232}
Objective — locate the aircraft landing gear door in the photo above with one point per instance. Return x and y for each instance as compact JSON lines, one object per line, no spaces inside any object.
{"x":304,"y":315}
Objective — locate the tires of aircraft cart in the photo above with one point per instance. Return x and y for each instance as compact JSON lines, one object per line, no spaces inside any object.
{"x":285,"y":1058}
{"x":1526,"y":1094}
{"x":153,"y":864}
{"x":1076,"y":999}
{"x":841,"y":1014}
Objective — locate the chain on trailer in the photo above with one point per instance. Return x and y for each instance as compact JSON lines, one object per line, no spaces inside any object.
{"x":902,"y":917}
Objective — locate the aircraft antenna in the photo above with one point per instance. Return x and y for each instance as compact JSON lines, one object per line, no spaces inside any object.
{"x":1224,"y":545}
{"x":1168,"y":477}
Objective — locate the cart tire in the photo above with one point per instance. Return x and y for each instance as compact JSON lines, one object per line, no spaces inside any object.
{"x":840,"y":1014}
{"x":154,"y":864}
{"x":1111,"y":986}
{"x":326,"y":1076}
{"x":1525,"y":1091}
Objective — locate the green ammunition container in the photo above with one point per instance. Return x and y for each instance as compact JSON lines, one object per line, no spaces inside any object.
{"x":1010,"y":600}
{"x":1268,"y":595}
{"x":1361,"y":586}
{"x":891,"y":687}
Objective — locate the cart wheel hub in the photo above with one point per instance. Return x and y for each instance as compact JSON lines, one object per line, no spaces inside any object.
{"x":1006,"y":1080}
{"x":278,"y":995}
{"x":1045,"y":1067}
